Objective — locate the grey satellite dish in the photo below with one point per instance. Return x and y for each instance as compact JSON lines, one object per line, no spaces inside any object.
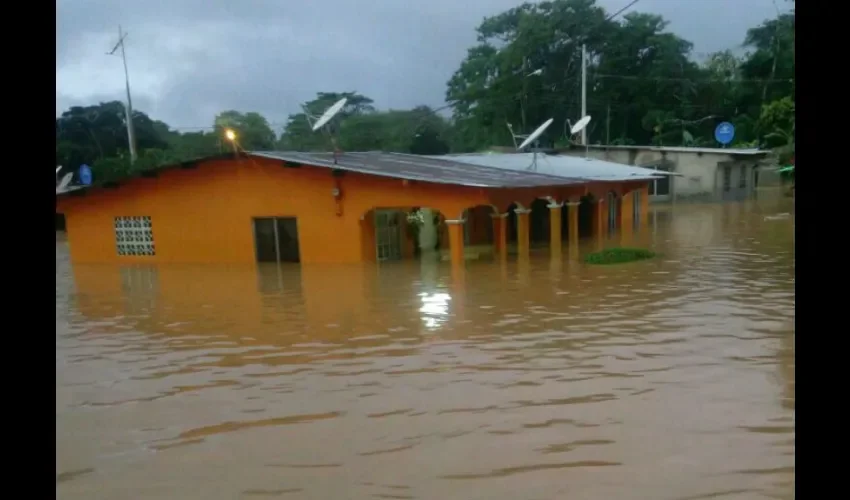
{"x":63,"y":184}
{"x":529,"y":139}
{"x":323,"y":120}
{"x":580,"y":125}
{"x":536,"y":134}
{"x":329,"y":114}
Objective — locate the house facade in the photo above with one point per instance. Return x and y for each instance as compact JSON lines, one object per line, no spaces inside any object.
{"x":314,"y":208}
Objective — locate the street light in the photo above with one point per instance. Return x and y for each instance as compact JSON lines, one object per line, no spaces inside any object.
{"x":230,"y":135}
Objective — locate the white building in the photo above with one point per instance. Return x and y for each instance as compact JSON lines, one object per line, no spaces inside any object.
{"x":703,"y":173}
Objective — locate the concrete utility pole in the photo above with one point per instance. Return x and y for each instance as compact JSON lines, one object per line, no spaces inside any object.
{"x":583,"y":90}
{"x":584,"y":71}
{"x":131,"y":133}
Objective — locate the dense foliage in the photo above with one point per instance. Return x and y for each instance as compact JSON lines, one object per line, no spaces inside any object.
{"x":618,"y":256}
{"x":644,"y":87}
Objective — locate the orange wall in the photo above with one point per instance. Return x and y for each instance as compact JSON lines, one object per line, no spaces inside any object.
{"x":204,"y":215}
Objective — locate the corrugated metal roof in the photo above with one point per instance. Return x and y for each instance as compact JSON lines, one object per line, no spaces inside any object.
{"x":685,"y":149}
{"x":586,"y":169}
{"x":441,"y":169}
{"x":488,"y":171}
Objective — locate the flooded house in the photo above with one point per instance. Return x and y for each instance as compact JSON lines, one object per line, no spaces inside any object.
{"x":345,"y":208}
{"x":708,"y":174}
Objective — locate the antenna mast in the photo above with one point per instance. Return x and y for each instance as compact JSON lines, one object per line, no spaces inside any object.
{"x":584,"y":90}
{"x":131,"y":133}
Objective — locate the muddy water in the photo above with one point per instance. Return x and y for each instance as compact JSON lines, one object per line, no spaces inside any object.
{"x":544,"y":379}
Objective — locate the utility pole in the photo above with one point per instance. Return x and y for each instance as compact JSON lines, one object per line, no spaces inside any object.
{"x":584,"y":90}
{"x":584,"y":71}
{"x":608,"y":126}
{"x":131,"y":133}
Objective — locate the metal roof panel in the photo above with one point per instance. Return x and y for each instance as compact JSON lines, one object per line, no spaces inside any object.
{"x":442,"y":170}
{"x":572,"y":167}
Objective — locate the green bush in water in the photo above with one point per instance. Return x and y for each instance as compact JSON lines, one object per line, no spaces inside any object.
{"x":618,"y":255}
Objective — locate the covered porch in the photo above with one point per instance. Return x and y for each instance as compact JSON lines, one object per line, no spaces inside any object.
{"x":505,"y":222}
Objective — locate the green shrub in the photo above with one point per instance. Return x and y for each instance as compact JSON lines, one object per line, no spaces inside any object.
{"x":618,"y":256}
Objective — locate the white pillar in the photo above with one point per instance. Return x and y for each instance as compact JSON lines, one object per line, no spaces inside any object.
{"x":428,"y":231}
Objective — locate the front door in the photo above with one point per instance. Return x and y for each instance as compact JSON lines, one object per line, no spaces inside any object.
{"x":388,"y":234}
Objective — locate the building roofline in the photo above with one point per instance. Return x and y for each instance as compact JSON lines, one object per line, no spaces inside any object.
{"x":461,"y":174}
{"x":153,"y":172}
{"x":672,"y":149}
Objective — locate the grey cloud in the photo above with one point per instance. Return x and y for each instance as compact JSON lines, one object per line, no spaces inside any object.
{"x":190,"y":59}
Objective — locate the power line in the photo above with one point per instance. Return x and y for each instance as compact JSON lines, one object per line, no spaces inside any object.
{"x":621,"y":10}
{"x":549,"y":99}
{"x":694,"y":80}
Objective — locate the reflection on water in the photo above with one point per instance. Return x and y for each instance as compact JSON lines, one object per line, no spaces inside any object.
{"x":666,"y":379}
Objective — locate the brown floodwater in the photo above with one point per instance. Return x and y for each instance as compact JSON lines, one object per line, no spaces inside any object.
{"x":671,"y":378}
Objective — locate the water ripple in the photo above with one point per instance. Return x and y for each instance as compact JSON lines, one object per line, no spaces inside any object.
{"x":648,"y":380}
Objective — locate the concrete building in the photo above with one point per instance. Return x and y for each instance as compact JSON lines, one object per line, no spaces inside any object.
{"x":314,"y":208}
{"x":703,"y":173}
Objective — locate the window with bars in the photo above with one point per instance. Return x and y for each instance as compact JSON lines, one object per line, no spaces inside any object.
{"x":661,"y":185}
{"x":742,"y":180}
{"x":134,"y":236}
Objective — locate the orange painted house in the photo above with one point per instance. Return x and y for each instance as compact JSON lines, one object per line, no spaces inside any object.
{"x":312,"y":208}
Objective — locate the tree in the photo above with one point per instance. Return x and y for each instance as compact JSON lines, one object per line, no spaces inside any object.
{"x":643,"y":88}
{"x":777,"y":123}
{"x":637,"y":70}
{"x":87,"y":134}
{"x":253,"y":132}
{"x":298,"y":136}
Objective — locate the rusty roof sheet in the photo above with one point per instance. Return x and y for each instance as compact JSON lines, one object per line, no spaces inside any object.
{"x":422,"y":168}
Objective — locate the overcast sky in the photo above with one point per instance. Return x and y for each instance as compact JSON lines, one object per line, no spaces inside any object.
{"x":190,"y":59}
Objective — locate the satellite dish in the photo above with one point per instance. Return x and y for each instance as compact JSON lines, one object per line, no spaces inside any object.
{"x":580,"y":125}
{"x":530,"y":138}
{"x":64,"y":182}
{"x":537,"y":133}
{"x":329,"y":114}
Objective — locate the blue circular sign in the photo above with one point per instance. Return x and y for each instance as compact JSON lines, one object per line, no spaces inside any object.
{"x":724,"y":133}
{"x":85,"y":175}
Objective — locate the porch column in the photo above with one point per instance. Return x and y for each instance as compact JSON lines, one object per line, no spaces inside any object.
{"x":522,"y":233}
{"x":627,"y":218}
{"x":644,"y":205}
{"x":500,"y":234}
{"x":600,"y":221}
{"x":600,"y":217}
{"x":627,"y":212}
{"x":572,"y":218}
{"x":555,"y":227}
{"x":455,"y":229}
{"x":572,"y":214}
